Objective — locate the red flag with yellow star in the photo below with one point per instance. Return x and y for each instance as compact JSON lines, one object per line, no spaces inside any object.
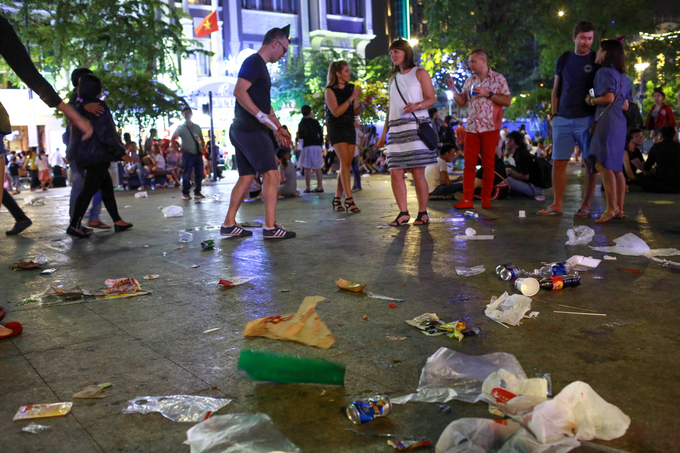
{"x":207,"y":26}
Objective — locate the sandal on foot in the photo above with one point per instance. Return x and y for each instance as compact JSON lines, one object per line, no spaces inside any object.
{"x":549,"y":211}
{"x":422,"y":221}
{"x":351,"y":207}
{"x":318,"y":190}
{"x":582,"y":213}
{"x":101,"y":225}
{"x":337,"y":204}
{"x":606,"y":216}
{"x":397,"y":221}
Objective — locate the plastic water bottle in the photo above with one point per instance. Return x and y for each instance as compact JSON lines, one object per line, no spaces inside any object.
{"x":185,"y":236}
{"x":40,"y":259}
{"x":554,"y":269}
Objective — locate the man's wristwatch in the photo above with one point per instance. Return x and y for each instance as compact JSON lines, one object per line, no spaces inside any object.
{"x":491,"y":93}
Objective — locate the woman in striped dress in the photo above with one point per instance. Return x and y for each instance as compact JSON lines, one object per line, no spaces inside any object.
{"x":405,"y":150}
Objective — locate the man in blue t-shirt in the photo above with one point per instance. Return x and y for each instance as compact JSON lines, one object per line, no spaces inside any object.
{"x":572,"y":117}
{"x":255,"y":153}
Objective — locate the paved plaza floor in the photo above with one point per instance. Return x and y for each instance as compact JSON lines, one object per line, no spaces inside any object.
{"x":154,"y":345}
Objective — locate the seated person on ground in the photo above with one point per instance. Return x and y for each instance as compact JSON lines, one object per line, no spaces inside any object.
{"x":500,"y":180}
{"x":437,"y":176}
{"x":173,"y":161}
{"x":524,"y":177}
{"x":662,"y":167}
{"x":633,"y":161}
{"x":288,"y":184}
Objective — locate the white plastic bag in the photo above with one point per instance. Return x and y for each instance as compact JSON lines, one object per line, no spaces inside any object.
{"x":508,"y":309}
{"x":178,"y":408}
{"x":238,"y":433}
{"x":577,"y":411}
{"x":475,"y":435}
{"x":628,"y":244}
{"x":581,"y":235}
{"x":523,"y":442}
{"x":507,"y":382}
{"x":142,"y":195}
{"x":449,"y":374}
{"x":173,"y":211}
{"x":469,"y":271}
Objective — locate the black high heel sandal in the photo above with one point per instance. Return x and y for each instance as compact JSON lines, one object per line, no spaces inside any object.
{"x":337,"y":204}
{"x":396,"y":221}
{"x":351,"y":207}
{"x":419,"y":220}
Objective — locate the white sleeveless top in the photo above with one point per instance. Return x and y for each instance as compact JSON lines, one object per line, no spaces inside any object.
{"x":412,"y":92}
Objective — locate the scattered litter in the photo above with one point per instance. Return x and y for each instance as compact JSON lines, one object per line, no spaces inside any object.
{"x":362,"y":411}
{"x":254,"y":433}
{"x":285,"y":290}
{"x":141,"y":195}
{"x":185,"y":236}
{"x":211,"y":330}
{"x":548,"y":378}
{"x":539,"y":198}
{"x":393,"y":338}
{"x":34,"y":428}
{"x":178,"y":408}
{"x":165,"y":253}
{"x":49,"y":271}
{"x":392,"y":305}
{"x":349,"y":286}
{"x":481,"y":237}
{"x":403,"y":445}
{"x":151,"y":277}
{"x":632,"y":271}
{"x":234,"y":281}
{"x":304,"y":327}
{"x":208,"y":244}
{"x":449,"y":374}
{"x":577,"y":308}
{"x":598,"y":277}
{"x":68,"y":292}
{"x":532,"y":315}
{"x":173,"y":211}
{"x":470,"y":232}
{"x":377,"y":296}
{"x":146,"y":246}
{"x":365,"y":317}
{"x":440,"y":220}
{"x":194,"y":266}
{"x":576,"y":313}
{"x":93,"y":391}
{"x":290,"y":369}
{"x":666,"y":263}
{"x":218,"y":197}
{"x":609,"y":258}
{"x":33,"y":201}
{"x":339,"y":220}
{"x":661,"y":202}
{"x":582,"y":263}
{"x":630,"y":244}
{"x":24,"y":265}
{"x":300,"y":221}
{"x":469,"y":271}
{"x":127,"y":206}
{"x":471,"y":215}
{"x":430,"y":324}
{"x":119,"y":286}
{"x":508,"y":309}
{"x":252,"y":224}
{"x":384,"y":226}
{"x":42,"y":411}
{"x":179,"y":247}
{"x":41,"y":259}
{"x":581,"y":235}
{"x":528,"y":286}
{"x":616,"y":324}
{"x":522,"y":214}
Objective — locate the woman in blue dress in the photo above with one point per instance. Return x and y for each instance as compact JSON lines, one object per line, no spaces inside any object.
{"x":609,"y":140}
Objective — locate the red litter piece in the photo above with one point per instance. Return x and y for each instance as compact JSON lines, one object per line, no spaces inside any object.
{"x":226,"y":283}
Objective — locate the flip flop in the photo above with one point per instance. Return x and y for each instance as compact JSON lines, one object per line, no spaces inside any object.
{"x":582,"y":213}
{"x":548,"y":211}
{"x":16,"y":329}
{"x":100,"y":225}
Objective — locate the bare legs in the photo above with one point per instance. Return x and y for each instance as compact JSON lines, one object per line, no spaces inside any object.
{"x":345,"y":153}
{"x":611,"y":182}
{"x":308,"y":178}
{"x":399,"y":188}
{"x":589,"y":184}
{"x":559,"y":180}
{"x":270,"y":183}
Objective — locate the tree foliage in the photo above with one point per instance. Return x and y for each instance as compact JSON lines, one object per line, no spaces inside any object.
{"x":129,"y":44}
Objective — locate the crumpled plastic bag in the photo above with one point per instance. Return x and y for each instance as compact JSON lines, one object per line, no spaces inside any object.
{"x":238,"y":433}
{"x":475,"y":435}
{"x":502,"y":386}
{"x":120,"y":286}
{"x":304,"y":327}
{"x":449,"y":374}
{"x":178,"y":408}
{"x":470,"y":271}
{"x":581,"y":235}
{"x":523,"y":442}
{"x":579,"y":412}
{"x":630,"y":244}
{"x":508,"y":309}
{"x":173,"y":211}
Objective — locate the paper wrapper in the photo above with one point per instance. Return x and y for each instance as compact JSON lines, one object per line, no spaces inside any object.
{"x":43,"y":411}
{"x":304,"y":327}
{"x":349,"y":286}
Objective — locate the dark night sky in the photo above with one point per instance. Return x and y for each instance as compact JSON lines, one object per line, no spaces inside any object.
{"x":667,"y":7}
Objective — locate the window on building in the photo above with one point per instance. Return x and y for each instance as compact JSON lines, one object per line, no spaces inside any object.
{"x":279,"y":6}
{"x":343,"y":7}
{"x":202,"y":64}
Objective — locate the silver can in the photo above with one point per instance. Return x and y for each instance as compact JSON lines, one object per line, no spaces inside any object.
{"x":362,"y":411}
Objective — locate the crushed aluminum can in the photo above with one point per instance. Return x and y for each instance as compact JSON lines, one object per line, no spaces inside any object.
{"x":207,"y":245}
{"x":362,"y":411}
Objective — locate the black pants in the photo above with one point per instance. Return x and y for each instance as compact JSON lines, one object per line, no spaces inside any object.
{"x":96,"y":177}
{"x":35,"y":182}
{"x":13,"y":207}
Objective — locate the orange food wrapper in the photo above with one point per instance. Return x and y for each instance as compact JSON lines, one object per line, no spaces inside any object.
{"x":349,"y":286}
{"x":304,"y":327}
{"x":121,"y":286}
{"x":43,"y":411}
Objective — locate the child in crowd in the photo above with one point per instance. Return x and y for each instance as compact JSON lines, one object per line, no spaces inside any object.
{"x":43,"y":171}
{"x":288,"y":184}
{"x":156,"y":163}
{"x":441,"y":187}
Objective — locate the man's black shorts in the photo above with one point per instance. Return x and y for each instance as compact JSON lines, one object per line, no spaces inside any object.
{"x":255,"y":153}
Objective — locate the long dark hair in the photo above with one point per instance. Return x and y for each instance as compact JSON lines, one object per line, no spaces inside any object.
{"x":402,"y":44}
{"x":614,"y":57}
{"x":518,"y":138}
{"x":281,"y":154}
{"x":333,"y":69}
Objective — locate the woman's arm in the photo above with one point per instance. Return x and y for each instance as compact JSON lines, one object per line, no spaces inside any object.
{"x":332,"y":102}
{"x":626,"y":166}
{"x":381,"y":141}
{"x":428,"y":93}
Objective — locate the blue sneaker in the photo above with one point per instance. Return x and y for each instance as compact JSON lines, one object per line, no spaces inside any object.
{"x":278,"y":232}
{"x":236,"y":230}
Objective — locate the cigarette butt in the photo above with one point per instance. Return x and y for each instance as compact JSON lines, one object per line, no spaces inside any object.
{"x":212,"y":330}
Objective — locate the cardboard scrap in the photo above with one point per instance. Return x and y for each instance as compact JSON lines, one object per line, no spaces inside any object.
{"x":93,"y":391}
{"x":304,"y":327}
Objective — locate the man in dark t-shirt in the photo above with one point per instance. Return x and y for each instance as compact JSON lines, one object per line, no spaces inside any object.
{"x":572,"y":117}
{"x":666,"y":156}
{"x":255,"y":153}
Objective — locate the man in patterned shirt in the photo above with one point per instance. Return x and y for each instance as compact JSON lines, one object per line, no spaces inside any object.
{"x":485,"y":93}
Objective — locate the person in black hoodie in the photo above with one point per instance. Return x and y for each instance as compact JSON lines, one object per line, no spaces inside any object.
{"x":95,"y":156}
{"x":524,"y":177}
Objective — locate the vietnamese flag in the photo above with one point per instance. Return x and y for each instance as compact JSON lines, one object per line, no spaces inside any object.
{"x":207,"y":26}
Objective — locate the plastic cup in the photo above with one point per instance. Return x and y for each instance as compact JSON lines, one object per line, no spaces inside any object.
{"x":522,"y":213}
{"x":528,"y":286}
{"x":470,"y":232}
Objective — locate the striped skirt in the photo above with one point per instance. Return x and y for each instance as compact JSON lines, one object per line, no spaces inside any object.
{"x":404,"y":147}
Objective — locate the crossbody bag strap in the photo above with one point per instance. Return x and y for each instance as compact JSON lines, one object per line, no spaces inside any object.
{"x":402,"y":98}
{"x":198,"y":147}
{"x":613,"y":102}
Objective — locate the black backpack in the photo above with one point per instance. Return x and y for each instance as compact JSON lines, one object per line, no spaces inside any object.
{"x":543,"y":168}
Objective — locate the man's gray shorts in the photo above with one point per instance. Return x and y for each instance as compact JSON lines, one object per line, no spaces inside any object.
{"x":255,"y":153}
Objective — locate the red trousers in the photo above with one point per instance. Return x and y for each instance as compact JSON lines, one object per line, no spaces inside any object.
{"x":486,"y":143}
